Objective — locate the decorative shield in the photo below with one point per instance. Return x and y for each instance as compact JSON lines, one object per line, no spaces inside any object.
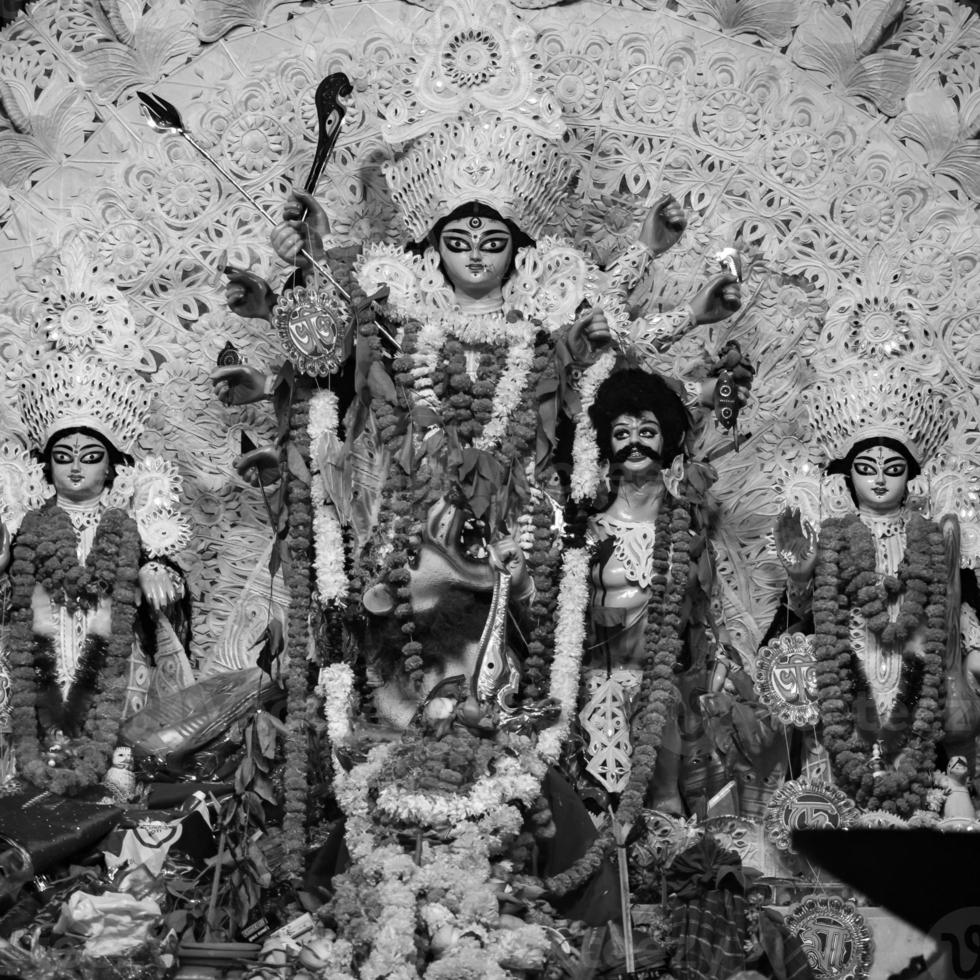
{"x":834,"y":936}
{"x":806,"y":805}
{"x":786,"y":679}
{"x":312,"y":324}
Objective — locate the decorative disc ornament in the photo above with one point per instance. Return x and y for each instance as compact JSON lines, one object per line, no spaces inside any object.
{"x":786,"y":679}
{"x":806,"y":805}
{"x":834,"y":936}
{"x":312,"y":324}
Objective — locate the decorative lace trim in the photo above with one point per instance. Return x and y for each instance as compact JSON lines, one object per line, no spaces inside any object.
{"x":85,"y":520}
{"x":883,"y":668}
{"x":633,"y":547}
{"x":888,"y":531}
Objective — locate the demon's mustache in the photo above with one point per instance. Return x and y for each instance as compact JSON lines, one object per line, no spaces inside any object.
{"x":637,"y":447}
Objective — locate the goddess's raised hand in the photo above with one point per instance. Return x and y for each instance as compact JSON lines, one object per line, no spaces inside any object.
{"x":796,"y":544}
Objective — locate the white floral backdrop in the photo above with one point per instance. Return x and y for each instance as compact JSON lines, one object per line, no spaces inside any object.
{"x":836,"y":143}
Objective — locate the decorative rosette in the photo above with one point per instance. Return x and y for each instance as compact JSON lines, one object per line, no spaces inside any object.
{"x":150,"y":492}
{"x":816,"y":496}
{"x":551,"y":281}
{"x":405,"y":274}
{"x":953,"y":486}
{"x":22,"y":484}
{"x":164,"y":532}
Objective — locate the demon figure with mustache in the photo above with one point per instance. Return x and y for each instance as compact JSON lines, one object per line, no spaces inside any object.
{"x":647,"y":609}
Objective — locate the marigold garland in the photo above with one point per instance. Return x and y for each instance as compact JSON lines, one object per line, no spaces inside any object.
{"x":295,"y":678}
{"x":500,"y":400}
{"x":45,"y":553}
{"x":542,"y":563}
{"x":846,"y":580}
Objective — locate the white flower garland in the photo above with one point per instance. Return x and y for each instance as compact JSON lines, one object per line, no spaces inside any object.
{"x":512,"y":779}
{"x":573,"y":597}
{"x":392,"y":955}
{"x":328,"y":538}
{"x":336,"y":686}
{"x":585,"y":451}
{"x":508,"y":393}
{"x":352,"y":789}
{"x":328,"y":544}
{"x":323,"y":416}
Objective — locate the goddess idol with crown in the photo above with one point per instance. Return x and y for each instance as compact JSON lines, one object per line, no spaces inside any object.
{"x":896,"y":656}
{"x":471,"y":349}
{"x":90,"y":569}
{"x":449,"y":471}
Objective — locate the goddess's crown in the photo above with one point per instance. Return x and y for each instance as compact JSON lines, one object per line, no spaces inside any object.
{"x":65,"y":393}
{"x":487,"y":159}
{"x":891,"y":402}
{"x":474,"y":109}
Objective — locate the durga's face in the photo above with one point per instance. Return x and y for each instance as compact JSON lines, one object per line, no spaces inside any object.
{"x":476,"y":254}
{"x":880,"y":477}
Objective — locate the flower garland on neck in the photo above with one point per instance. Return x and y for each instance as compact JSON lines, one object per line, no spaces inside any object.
{"x":494,"y":412}
{"x":846,"y":580}
{"x":45,"y":553}
{"x":484,"y":410}
{"x":663,"y":645}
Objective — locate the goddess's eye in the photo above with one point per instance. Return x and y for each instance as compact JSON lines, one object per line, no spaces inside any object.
{"x":498,"y":243}
{"x":456,"y":244}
